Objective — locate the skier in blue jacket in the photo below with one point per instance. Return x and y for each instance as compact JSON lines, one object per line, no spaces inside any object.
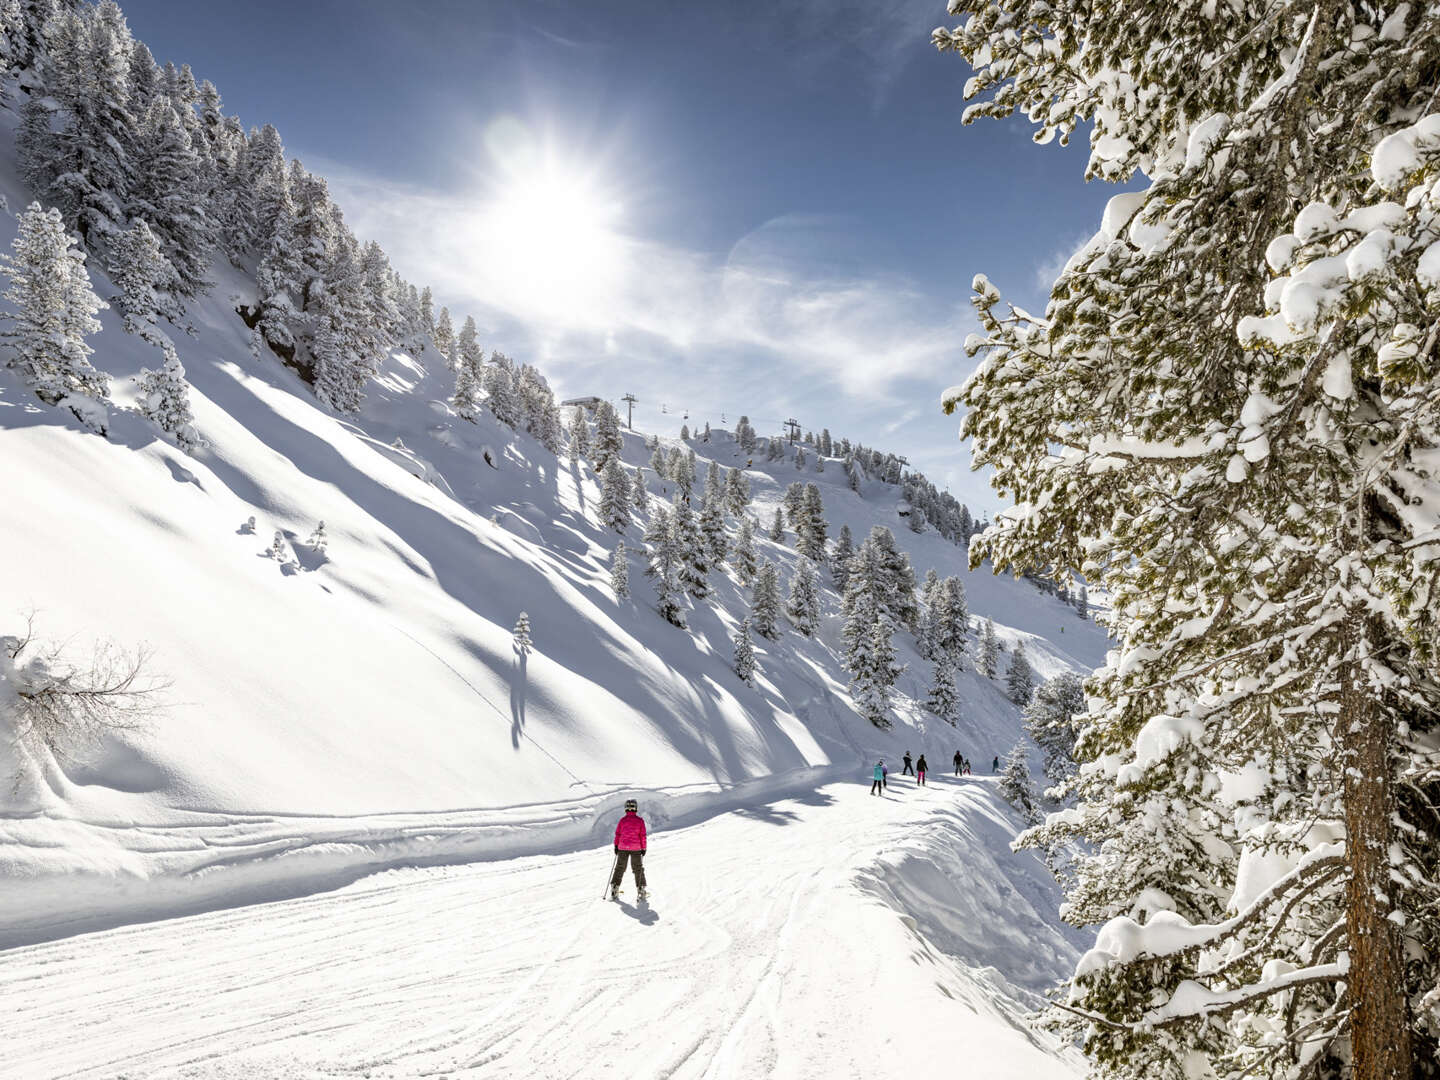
{"x":879,"y":781}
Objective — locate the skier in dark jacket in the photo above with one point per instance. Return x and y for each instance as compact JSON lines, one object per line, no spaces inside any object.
{"x":629,"y":848}
{"x":920,"y":769}
{"x":959,"y":762}
{"x":995,"y":765}
{"x":907,"y":771}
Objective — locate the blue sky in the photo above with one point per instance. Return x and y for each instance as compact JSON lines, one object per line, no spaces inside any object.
{"x":770,"y":208}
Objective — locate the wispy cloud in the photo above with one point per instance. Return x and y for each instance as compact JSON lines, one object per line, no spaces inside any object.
{"x":1049,"y":268}
{"x":780,"y":295}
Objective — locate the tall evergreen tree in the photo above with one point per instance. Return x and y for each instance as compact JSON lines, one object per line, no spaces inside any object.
{"x":1020,"y":679}
{"x":1220,"y":418}
{"x":615,"y":496}
{"x":608,"y":441}
{"x":737,"y":492}
{"x":642,"y":500}
{"x":1016,"y":786}
{"x":142,"y":274}
{"x":164,"y":399}
{"x":444,"y":337}
{"x":1050,"y":719}
{"x":579,"y":435}
{"x":803,"y":605}
{"x":777,"y":527}
{"x":502,"y":396}
{"x":840,"y":558}
{"x":620,"y":572}
{"x":469,"y":367}
{"x":943,"y":699}
{"x":744,"y":653}
{"x":664,"y":563}
{"x":742,"y":551}
{"x":54,"y":312}
{"x":765,"y":601}
{"x":712,"y":529}
{"x":694,"y":558}
{"x":989,"y":659}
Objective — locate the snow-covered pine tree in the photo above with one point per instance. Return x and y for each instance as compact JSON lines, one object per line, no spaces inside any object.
{"x":166,"y":190}
{"x":794,"y":504}
{"x":467,"y":359}
{"x":541,"y":416}
{"x":427,"y":311}
{"x":143,"y":275}
{"x":279,"y":549}
{"x":870,"y":659}
{"x":664,"y":560}
{"x":1016,"y":786}
{"x":705,"y":436}
{"x":712,"y":529}
{"x":737,"y":491}
{"x":1082,"y":602}
{"x":742,"y":551}
{"x":765,"y":601}
{"x":620,"y":572}
{"x":826,"y":445}
{"x":164,"y":399}
{"x":608,"y":441}
{"x":925,"y":636}
{"x":658,"y":463}
{"x":943,"y":699}
{"x":579,"y":435}
{"x":521,"y":635}
{"x":1221,"y":420}
{"x":1020,"y":679}
{"x":502,"y":396}
{"x":685,"y":432}
{"x":637,"y":485}
{"x":811,"y":533}
{"x":802,"y":607}
{"x":989,"y":660}
{"x":54,"y":312}
{"x":444,"y":337}
{"x":1050,"y":721}
{"x":694,"y":572}
{"x":745,"y":435}
{"x":744,"y":653}
{"x":615,"y":495}
{"x":777,"y":527}
{"x":840,"y":558}
{"x":714,"y":484}
{"x":318,"y":540}
{"x":799,"y":457}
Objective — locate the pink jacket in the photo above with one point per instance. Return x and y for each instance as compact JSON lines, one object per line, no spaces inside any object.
{"x":630,"y":832}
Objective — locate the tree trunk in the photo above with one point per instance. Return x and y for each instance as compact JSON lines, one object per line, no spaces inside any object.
{"x":1379,"y":1016}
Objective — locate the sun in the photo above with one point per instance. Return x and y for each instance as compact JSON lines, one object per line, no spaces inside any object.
{"x":549,"y":236}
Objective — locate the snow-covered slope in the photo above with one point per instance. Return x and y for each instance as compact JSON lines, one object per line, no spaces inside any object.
{"x":826,"y":936}
{"x":342,"y":691}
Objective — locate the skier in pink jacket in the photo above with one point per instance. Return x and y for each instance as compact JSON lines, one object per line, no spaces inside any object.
{"x":629,"y":848}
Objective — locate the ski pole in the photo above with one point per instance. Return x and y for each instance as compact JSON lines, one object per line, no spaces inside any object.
{"x":611,"y":876}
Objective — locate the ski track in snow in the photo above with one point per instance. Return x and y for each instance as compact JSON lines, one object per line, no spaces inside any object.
{"x":772,"y":947}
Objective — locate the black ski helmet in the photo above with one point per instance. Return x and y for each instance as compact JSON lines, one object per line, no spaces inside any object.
{"x":631,"y":805}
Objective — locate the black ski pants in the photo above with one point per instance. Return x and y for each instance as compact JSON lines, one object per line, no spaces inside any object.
{"x":633,"y":858}
{"x":907,"y":771}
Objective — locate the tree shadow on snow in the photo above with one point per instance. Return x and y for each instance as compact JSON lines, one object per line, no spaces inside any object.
{"x":517,"y":699}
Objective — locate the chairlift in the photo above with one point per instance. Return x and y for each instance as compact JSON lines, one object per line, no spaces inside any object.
{"x":687,"y":415}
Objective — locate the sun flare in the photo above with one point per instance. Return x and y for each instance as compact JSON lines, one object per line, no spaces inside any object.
{"x":552,"y":234}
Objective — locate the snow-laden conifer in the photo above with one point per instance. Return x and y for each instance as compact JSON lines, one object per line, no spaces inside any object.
{"x":737,"y":492}
{"x":712,"y":529}
{"x":744,"y":653}
{"x":777,"y":526}
{"x":765,"y":601}
{"x":608,"y":442}
{"x":620,"y":571}
{"x":615,"y":496}
{"x":444,"y":337}
{"x":1050,"y":719}
{"x":579,"y":435}
{"x":803,"y":605}
{"x":164,"y":399}
{"x":54,"y":312}
{"x":1016,"y":786}
{"x":694,"y":555}
{"x":664,"y":561}
{"x":637,"y":485}
{"x":989,"y":658}
{"x":742,"y":551}
{"x":943,"y":700}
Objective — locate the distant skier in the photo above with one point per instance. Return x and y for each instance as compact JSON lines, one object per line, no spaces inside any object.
{"x":959,"y":762}
{"x":885,"y":774}
{"x":629,"y":848}
{"x":907,"y":771}
{"x":877,"y":785}
{"x":967,"y":766}
{"x":995,"y":765}
{"x":920,"y":769}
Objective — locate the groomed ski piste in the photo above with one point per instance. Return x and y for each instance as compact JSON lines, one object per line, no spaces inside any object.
{"x":364,"y":837}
